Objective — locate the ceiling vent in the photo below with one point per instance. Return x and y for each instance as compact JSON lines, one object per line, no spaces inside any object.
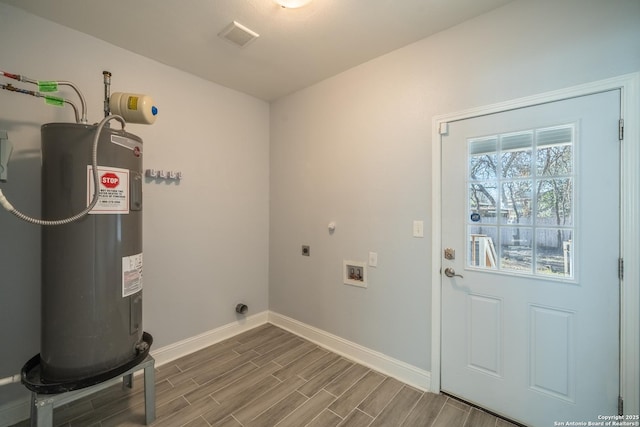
{"x":238,"y":34}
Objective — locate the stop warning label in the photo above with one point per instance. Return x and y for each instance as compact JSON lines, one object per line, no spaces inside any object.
{"x":113,"y":197}
{"x":109,"y":180}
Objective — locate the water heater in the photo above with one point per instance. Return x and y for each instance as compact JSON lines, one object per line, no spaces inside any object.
{"x":92,"y":268}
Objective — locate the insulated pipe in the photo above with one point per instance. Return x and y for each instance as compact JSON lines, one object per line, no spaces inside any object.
{"x":10,"y":380}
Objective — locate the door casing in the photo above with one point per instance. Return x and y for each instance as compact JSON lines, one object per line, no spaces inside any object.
{"x":629,"y":86}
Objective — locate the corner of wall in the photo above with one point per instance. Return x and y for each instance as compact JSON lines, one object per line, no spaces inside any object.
{"x":402,"y":371}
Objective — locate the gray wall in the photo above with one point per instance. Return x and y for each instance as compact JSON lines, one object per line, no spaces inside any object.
{"x":356,"y":149}
{"x":205,"y":240}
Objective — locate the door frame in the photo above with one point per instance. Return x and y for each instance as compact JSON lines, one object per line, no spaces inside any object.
{"x":629,"y":86}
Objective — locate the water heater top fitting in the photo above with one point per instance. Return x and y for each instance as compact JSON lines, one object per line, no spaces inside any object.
{"x":133,"y":107}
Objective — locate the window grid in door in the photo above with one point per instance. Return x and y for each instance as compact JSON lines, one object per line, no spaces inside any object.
{"x":521,"y":193}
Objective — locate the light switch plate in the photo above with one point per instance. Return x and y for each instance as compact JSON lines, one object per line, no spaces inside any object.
{"x":373,"y":259}
{"x":418,"y":228}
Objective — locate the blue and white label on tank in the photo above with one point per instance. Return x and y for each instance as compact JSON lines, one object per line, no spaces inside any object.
{"x":114,"y":190}
{"x":131,"y":274}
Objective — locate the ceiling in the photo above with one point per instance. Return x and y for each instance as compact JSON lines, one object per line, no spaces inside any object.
{"x":295,"y":48}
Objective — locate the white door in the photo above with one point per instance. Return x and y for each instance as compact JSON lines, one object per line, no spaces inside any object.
{"x":530,"y":215}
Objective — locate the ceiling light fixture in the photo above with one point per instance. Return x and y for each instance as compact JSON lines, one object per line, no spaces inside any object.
{"x":293,"y":4}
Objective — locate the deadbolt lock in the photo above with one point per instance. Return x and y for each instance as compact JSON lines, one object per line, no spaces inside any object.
{"x":449,"y":253}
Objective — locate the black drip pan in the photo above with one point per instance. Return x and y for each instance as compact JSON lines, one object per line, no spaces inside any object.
{"x":31,"y":373}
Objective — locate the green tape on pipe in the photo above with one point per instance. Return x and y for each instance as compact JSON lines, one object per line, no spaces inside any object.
{"x":47,"y":86}
{"x":54,"y":100}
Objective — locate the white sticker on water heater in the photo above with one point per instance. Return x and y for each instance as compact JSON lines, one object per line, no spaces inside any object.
{"x":131,"y":274}
{"x":114,"y":190}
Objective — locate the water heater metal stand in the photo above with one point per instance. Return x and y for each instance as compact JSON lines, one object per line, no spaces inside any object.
{"x":42,"y":405}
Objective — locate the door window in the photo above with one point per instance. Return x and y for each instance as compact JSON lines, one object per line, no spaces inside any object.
{"x":521,"y":202}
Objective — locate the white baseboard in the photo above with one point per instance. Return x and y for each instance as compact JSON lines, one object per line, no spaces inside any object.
{"x":402,"y":371}
{"x":14,"y":412}
{"x":187,"y":346}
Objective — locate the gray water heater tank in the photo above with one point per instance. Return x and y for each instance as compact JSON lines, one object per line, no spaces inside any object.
{"x":91,"y":299}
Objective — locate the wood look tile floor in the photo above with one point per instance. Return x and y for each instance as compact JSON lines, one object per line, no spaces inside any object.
{"x":269,"y":377}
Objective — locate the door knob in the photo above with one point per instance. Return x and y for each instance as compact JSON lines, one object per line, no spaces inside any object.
{"x":450,"y":272}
